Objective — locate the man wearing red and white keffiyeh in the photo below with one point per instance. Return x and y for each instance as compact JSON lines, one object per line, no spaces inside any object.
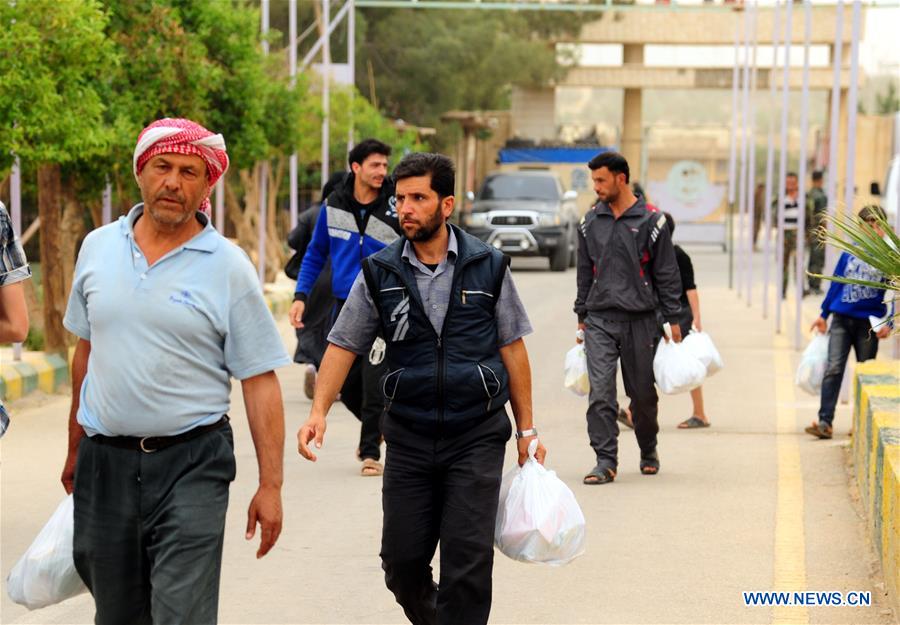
{"x":167,"y":313}
{"x":182,"y":136}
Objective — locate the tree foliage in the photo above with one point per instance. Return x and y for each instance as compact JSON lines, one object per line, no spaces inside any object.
{"x":426,"y":62}
{"x":54,"y":60}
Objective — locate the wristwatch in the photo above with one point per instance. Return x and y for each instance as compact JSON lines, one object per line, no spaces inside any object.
{"x":526,"y":433}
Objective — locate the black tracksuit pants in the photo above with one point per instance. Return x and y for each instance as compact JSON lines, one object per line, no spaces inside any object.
{"x":361,"y":394}
{"x":633,"y":341}
{"x":442,"y":490}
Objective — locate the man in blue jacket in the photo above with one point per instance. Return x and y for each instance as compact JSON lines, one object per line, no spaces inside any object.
{"x":357,"y":219}
{"x":853,"y":308}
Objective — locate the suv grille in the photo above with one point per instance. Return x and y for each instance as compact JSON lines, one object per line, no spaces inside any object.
{"x":511,"y":220}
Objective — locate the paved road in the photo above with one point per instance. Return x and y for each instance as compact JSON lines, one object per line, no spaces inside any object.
{"x":749,"y":504}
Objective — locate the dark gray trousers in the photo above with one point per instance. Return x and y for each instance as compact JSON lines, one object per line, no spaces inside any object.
{"x":442,"y":490}
{"x":634,"y":343}
{"x":149,"y":529}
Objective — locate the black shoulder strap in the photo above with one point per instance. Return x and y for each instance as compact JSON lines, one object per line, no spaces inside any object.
{"x":374,"y":292}
{"x":505,"y":262}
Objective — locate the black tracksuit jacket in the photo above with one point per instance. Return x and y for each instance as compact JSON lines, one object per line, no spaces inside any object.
{"x":626,"y":266}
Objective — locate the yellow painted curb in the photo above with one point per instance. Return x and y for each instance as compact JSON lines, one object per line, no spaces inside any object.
{"x":890,"y":524}
{"x":46,"y":374}
{"x":12,"y":382}
{"x":876,"y":455}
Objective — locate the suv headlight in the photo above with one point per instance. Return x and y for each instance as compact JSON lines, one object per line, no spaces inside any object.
{"x":549,"y":219}
{"x":475,"y":220}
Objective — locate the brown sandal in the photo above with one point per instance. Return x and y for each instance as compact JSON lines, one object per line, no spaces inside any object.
{"x":371,"y":468}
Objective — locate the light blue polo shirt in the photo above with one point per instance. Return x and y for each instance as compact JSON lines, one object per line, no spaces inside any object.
{"x":166,"y":340}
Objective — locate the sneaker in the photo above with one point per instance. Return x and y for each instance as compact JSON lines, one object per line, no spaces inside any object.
{"x":309,"y":381}
{"x":819,"y":430}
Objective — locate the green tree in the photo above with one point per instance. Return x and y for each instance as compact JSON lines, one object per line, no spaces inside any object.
{"x":888,"y":102}
{"x":426,"y":62}
{"x":54,"y":61}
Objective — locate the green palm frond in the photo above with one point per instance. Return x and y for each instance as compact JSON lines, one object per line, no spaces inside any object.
{"x":862,"y":240}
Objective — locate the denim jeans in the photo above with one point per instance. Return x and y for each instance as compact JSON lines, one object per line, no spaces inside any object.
{"x":846,"y":332}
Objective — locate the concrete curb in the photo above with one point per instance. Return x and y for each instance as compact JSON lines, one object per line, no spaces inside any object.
{"x":876,"y":455}
{"x":50,"y":372}
{"x":36,"y":371}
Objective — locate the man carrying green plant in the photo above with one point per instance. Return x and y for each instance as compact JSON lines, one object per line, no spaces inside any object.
{"x":859,"y":314}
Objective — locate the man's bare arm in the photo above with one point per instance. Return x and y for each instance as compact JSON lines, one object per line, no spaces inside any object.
{"x":693,"y":299}
{"x":265,"y":414}
{"x":13,"y":313}
{"x":515,"y":359}
{"x":76,"y":432}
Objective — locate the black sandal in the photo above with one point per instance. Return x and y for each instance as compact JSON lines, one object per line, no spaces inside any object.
{"x":599,"y":475}
{"x":650,"y":463}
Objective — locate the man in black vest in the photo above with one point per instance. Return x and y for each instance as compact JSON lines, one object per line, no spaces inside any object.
{"x":447,"y":306}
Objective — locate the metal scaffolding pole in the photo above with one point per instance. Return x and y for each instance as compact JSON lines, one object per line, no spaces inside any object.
{"x":751,"y":159}
{"x":220,"y":205}
{"x":770,"y":166}
{"x":263,"y":167}
{"x":106,"y":210}
{"x":850,"y":175}
{"x":744,"y":140}
{"x":292,"y":64}
{"x":800,"y":272}
{"x":782,"y":166}
{"x":732,"y":157}
{"x":326,"y":81}
{"x":351,"y":64}
{"x":834,"y":127}
{"x":15,"y":215}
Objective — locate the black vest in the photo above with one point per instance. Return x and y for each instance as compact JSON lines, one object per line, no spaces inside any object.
{"x":453,"y":378}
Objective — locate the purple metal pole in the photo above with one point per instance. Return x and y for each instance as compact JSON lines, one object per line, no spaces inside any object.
{"x":834,"y":127}
{"x":850,"y":176}
{"x":770,"y":166}
{"x":220,"y":206}
{"x":742,"y":180}
{"x":106,"y":211}
{"x":782,"y":165}
{"x":801,"y":220}
{"x":263,"y":167}
{"x":751,"y":159}
{"x":292,"y":62}
{"x":732,"y":156}
{"x":15,"y":215}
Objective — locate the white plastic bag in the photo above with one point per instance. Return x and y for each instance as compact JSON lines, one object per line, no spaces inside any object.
{"x":676,"y":369}
{"x":701,"y":345}
{"x":811,"y":370}
{"x":577,"y":379}
{"x":46,"y":573}
{"x":538,"y":519}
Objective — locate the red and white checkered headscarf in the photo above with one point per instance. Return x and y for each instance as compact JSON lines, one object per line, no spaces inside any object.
{"x":182,"y":136}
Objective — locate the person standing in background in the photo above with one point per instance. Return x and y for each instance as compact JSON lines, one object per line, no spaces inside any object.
{"x":14,"y":270}
{"x":317,"y":315}
{"x":817,"y":208}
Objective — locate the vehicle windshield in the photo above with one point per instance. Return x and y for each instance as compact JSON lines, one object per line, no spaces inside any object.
{"x":512,"y":187}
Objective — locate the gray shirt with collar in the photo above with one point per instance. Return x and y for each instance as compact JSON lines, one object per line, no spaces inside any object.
{"x":357,"y":325}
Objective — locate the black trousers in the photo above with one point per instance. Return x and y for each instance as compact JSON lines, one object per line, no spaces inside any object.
{"x":149,"y":529}
{"x":361,"y":394}
{"x":442,"y":490}
{"x":633,"y":342}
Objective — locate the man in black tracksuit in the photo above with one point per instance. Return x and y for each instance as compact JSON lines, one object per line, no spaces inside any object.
{"x":626,"y":271}
{"x":447,"y":306}
{"x":357,"y":219}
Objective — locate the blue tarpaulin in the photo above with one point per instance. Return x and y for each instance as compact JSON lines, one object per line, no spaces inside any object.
{"x":550,"y":155}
